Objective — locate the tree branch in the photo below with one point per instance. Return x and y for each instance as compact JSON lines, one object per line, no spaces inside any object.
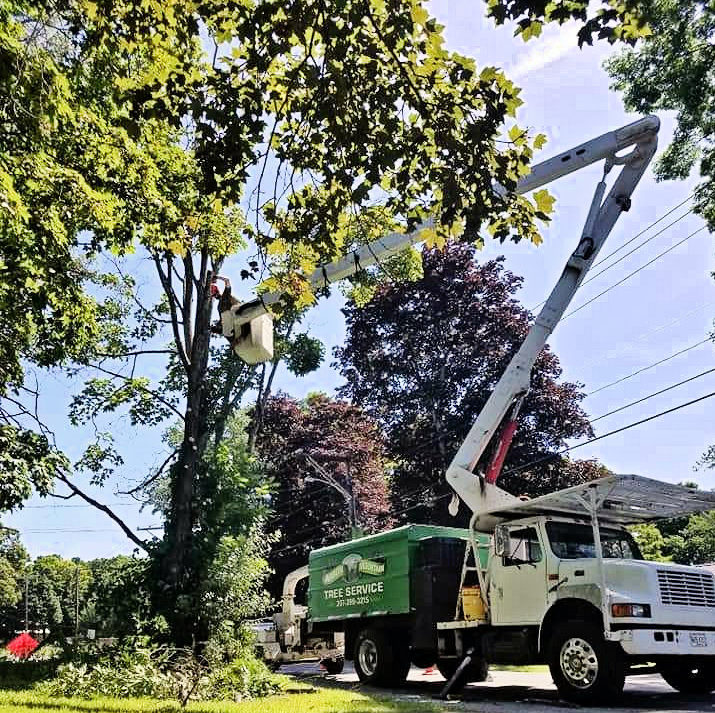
{"x":171,"y":296}
{"x":95,"y":503}
{"x":151,"y":478}
{"x":151,"y":392}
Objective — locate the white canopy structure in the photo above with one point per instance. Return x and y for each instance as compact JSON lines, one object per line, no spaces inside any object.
{"x":615,"y":499}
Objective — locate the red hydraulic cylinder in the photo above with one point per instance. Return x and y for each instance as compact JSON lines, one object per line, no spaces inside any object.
{"x":497,"y":461}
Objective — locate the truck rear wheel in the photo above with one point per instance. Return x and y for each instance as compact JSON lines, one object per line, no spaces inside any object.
{"x":585,"y":667}
{"x":378,"y":661}
{"x":690,"y":678}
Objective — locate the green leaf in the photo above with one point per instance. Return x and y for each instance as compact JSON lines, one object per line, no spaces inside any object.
{"x":544,"y":201}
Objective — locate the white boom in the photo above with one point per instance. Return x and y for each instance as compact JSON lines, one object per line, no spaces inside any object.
{"x":238,"y":324}
{"x":479,"y":492}
{"x":249,"y":327}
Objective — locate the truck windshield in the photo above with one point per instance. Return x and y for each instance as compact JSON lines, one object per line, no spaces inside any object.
{"x":574,"y":541}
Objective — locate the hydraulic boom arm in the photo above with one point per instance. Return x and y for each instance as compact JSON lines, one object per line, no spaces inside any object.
{"x":480,"y":493}
{"x":238,"y":324}
{"x":248,"y":323}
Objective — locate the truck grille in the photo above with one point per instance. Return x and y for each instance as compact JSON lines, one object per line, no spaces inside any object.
{"x":687,"y":588}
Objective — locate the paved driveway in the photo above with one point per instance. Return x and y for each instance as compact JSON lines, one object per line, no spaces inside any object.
{"x":512,"y":692}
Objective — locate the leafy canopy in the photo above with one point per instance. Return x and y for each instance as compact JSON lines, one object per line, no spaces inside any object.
{"x":348,"y":445}
{"x":422,"y":358}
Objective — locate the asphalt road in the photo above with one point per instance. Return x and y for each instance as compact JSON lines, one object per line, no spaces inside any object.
{"x":512,"y":692}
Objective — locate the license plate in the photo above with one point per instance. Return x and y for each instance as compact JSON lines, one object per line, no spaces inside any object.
{"x":698,"y":639}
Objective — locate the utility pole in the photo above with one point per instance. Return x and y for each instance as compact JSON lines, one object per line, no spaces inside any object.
{"x":27,"y":602}
{"x":76,"y":600}
{"x":347,"y":493}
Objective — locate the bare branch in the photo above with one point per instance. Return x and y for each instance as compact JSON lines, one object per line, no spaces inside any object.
{"x":62,"y":497}
{"x":151,"y":478}
{"x":95,"y":503}
{"x":146,"y":390}
{"x":147,"y":312}
{"x":171,"y":296}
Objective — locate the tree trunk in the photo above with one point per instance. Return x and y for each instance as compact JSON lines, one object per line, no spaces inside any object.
{"x":176,"y":562}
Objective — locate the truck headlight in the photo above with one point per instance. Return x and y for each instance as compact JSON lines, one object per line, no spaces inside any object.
{"x":632,"y":610}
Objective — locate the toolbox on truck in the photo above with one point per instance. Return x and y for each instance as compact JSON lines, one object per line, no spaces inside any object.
{"x":414,"y":569}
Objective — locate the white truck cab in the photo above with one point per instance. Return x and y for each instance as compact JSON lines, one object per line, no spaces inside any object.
{"x":565,"y":583}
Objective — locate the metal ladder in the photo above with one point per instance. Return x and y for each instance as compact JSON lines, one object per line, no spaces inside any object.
{"x":471,"y":550}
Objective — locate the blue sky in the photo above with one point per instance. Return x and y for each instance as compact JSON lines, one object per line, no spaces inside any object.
{"x":666,"y":307}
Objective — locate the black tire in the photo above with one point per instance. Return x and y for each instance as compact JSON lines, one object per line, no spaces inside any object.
{"x":333,"y":666}
{"x":378,"y":661}
{"x":403,"y":660}
{"x":690,"y":677}
{"x":585,"y":667}
{"x":477,"y":671}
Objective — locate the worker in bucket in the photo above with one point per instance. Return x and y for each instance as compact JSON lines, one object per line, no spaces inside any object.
{"x":225,"y":300}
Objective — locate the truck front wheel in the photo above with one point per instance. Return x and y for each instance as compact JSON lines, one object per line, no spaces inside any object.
{"x":378,"y":661}
{"x":585,"y":667}
{"x":689,"y":678}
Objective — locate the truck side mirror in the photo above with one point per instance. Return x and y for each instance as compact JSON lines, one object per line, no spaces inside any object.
{"x":501,"y":541}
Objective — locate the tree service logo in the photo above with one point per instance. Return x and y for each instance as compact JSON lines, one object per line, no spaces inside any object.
{"x":352,"y":567}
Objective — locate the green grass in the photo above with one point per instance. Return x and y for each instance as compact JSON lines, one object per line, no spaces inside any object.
{"x":309,"y":700}
{"x":536,"y":668}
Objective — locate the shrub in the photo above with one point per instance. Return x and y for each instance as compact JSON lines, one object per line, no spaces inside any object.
{"x":161,"y":673}
{"x":244,"y":677}
{"x":142,"y":672}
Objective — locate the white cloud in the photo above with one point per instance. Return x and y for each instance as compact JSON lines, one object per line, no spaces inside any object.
{"x":543,"y":51}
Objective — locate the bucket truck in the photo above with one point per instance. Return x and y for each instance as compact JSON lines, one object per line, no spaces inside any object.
{"x":557,"y":579}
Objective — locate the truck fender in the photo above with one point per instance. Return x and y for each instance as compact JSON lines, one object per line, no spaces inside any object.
{"x":564,"y":608}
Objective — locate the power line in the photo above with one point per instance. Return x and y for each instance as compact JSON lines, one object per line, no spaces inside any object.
{"x":645,"y":230}
{"x":67,"y":529}
{"x":629,"y":241}
{"x":344,"y":518}
{"x":635,"y":272}
{"x":635,"y":249}
{"x":646,"y":368}
{"x":656,"y":393}
{"x":610,"y":433}
{"x":650,"y":332}
{"x":67,"y":505}
{"x":552,"y":455}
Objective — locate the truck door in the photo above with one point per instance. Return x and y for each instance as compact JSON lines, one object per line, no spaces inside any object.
{"x":518,"y":580}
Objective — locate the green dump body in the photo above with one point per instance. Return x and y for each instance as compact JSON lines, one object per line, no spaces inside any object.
{"x":371,"y":576}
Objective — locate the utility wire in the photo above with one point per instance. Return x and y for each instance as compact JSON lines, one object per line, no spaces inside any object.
{"x":650,"y":332}
{"x":537,"y":461}
{"x":67,"y":529}
{"x":642,"y":232}
{"x":635,"y":272}
{"x":610,"y":433}
{"x":629,"y":241}
{"x":68,"y":505}
{"x":635,"y":249}
{"x":646,"y":368}
{"x":656,"y":393}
